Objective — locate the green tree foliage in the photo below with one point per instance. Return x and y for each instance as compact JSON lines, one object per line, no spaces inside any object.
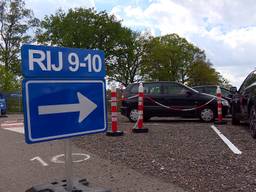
{"x":130,"y":56}
{"x":224,"y":82}
{"x":15,"y":21}
{"x":81,"y":28}
{"x":168,"y":58}
{"x":202,"y":73}
{"x":125,"y":64}
{"x":9,"y":81}
{"x":86,"y":28}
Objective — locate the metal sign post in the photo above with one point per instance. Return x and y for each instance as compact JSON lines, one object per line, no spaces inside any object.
{"x":68,"y":164}
{"x":64,"y":95}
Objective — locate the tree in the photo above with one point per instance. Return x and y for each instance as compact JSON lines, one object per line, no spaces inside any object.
{"x":15,"y":21}
{"x":168,"y":58}
{"x":201,"y":73}
{"x":86,"y":28}
{"x":125,"y":64}
{"x":224,"y":82}
{"x":9,"y":81}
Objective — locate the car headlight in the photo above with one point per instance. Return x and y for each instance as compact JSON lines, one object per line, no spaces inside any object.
{"x":1,"y":105}
{"x":225,"y":103}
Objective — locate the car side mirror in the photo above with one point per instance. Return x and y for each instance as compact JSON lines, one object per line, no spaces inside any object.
{"x":233,"y":90}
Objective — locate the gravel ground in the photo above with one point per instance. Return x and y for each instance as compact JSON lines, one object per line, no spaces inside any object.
{"x":188,"y":154}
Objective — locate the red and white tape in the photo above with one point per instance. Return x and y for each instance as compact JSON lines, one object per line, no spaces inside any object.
{"x":140,"y":106}
{"x":176,"y":109}
{"x":218,"y":93}
{"x":114,"y":109}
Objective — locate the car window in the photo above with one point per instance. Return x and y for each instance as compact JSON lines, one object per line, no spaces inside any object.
{"x":152,"y":88}
{"x":174,"y":89}
{"x":225,"y":92}
{"x":1,"y":96}
{"x":200,"y":89}
{"x":135,"y":88}
{"x":210,"y":90}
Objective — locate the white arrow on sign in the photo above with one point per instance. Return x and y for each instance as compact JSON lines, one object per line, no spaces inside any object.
{"x":84,"y":107}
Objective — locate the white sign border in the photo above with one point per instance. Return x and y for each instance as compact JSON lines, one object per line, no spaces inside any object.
{"x":65,"y":135}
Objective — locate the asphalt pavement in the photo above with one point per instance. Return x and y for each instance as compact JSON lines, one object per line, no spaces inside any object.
{"x":24,"y":166}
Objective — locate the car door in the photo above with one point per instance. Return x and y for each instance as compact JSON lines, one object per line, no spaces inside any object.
{"x":248,"y":94}
{"x":244,"y":93}
{"x":153,"y":99}
{"x":179,"y":98}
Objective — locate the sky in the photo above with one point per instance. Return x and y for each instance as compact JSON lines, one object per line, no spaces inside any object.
{"x":224,"y":29}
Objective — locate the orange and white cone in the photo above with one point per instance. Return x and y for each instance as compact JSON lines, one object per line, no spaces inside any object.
{"x":138,"y":128}
{"x":219,"y":107}
{"x":114,"y":131}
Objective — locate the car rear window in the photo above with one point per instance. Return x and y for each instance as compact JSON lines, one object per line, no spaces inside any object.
{"x":210,"y":90}
{"x":225,"y":93}
{"x":134,"y":88}
{"x":200,"y":89}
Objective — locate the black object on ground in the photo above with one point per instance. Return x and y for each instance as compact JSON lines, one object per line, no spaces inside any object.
{"x":140,"y":130}
{"x":79,"y":185}
{"x":222,"y":122}
{"x":115,"y":134}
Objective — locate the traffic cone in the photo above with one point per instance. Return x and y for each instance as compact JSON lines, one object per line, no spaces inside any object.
{"x":220,"y":120}
{"x":138,"y":128}
{"x":114,"y":131}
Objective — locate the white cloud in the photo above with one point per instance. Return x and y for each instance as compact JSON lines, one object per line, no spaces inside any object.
{"x":225,"y":29}
{"x":46,"y":7}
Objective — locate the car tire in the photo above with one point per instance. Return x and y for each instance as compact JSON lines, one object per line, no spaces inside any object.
{"x":133,"y":115}
{"x":235,"y":120}
{"x":252,"y":122}
{"x":207,"y":115}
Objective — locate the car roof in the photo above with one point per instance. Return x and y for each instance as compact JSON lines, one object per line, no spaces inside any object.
{"x":148,"y":82}
{"x":132,"y":84}
{"x":199,"y":86}
{"x":206,"y":86}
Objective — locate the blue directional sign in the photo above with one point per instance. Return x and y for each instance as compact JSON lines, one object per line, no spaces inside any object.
{"x":57,"y":109}
{"x":63,"y":92}
{"x":60,"y":62}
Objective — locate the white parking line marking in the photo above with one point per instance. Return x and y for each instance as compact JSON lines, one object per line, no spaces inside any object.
{"x":229,"y":144}
{"x":40,"y":160}
{"x":16,"y":129}
{"x":11,"y":124}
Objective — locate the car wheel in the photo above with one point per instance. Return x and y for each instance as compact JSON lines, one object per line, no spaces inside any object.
{"x":207,"y":115}
{"x":235,"y":120}
{"x":252,"y":121}
{"x":133,"y":115}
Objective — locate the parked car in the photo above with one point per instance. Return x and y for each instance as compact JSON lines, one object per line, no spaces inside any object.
{"x":211,"y":89}
{"x":165,"y":99}
{"x":2,"y":105}
{"x":244,"y":103}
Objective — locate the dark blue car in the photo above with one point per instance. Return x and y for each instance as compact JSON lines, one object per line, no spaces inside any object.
{"x":2,"y":105}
